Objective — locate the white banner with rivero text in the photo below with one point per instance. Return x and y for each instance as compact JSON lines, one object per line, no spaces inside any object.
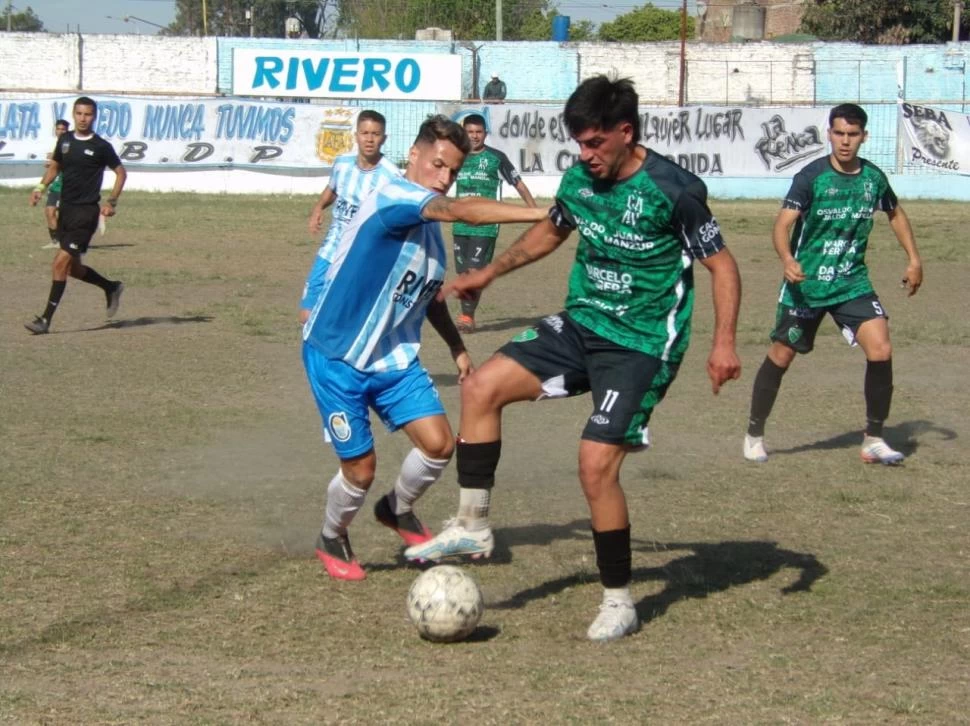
{"x":935,"y":139}
{"x":706,"y":140}
{"x":185,"y":134}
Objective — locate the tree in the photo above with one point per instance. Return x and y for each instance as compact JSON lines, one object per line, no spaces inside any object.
{"x":645,"y":23}
{"x":466,"y":19}
{"x":886,"y":22}
{"x":25,"y":22}
{"x":228,"y":17}
{"x":538,"y":26}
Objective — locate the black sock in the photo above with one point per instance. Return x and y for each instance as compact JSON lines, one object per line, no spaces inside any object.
{"x":57,"y":291}
{"x":93,"y":278}
{"x":879,"y":394}
{"x":476,"y":463}
{"x":613,"y":556}
{"x":53,"y":234}
{"x":766,"y":385}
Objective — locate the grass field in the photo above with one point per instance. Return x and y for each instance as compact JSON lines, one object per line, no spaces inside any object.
{"x":162,"y":481}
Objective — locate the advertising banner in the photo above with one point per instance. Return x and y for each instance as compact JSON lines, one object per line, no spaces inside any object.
{"x":935,"y":139}
{"x":327,"y":74}
{"x":184,"y":134}
{"x":706,"y":140}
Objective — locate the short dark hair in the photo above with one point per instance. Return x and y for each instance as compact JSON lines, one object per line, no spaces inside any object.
{"x":852,"y":114}
{"x":62,"y":122}
{"x":370,"y":115}
{"x":601,"y":102}
{"x":442,"y":128}
{"x":85,"y":101}
{"x":474,"y":118}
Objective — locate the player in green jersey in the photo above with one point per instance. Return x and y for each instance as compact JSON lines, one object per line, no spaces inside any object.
{"x":642,"y":221}
{"x":481,"y":176}
{"x":830,"y":205}
{"x":54,"y":192}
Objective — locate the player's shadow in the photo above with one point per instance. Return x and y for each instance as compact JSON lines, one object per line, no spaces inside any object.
{"x":506,"y":324}
{"x":144,"y":321}
{"x":710,"y":568}
{"x":903,"y":437}
{"x":113,"y":245}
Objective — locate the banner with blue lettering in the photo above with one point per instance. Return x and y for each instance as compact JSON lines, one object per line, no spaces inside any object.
{"x":184,"y":134}
{"x":706,"y":140}
{"x":331,"y":74}
{"x":935,"y":139}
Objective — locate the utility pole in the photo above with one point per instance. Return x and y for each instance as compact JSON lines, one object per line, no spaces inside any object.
{"x":683,"y":53}
{"x":9,"y":15}
{"x":251,"y":13}
{"x":957,"y":7}
{"x":498,"y":19}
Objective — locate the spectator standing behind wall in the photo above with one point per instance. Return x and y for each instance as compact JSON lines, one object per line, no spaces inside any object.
{"x":494,"y":90}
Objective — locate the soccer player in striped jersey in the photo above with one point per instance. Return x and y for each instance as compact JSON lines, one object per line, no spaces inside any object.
{"x":355,"y":175}
{"x":830,"y":205}
{"x":642,"y":222}
{"x":362,"y":337}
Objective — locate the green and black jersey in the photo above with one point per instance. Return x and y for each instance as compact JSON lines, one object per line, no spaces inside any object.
{"x":481,"y":176}
{"x":830,"y":237}
{"x":632,"y":281}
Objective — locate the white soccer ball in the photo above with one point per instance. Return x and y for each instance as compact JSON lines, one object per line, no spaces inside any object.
{"x":445,"y":604}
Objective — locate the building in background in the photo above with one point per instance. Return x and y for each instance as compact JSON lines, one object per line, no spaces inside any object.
{"x":722,"y":21}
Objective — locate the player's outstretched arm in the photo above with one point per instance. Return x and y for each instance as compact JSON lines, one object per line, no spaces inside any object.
{"x":903,"y":230}
{"x":534,"y":244}
{"x":723,"y":364}
{"x":781,"y":239}
{"x":478,"y":210}
{"x":441,"y":321}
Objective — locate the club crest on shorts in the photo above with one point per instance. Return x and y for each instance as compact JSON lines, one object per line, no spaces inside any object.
{"x":339,"y":426}
{"x":794,"y":333}
{"x":525,"y":336}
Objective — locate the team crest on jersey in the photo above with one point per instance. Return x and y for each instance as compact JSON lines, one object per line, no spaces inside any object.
{"x":525,"y":336}
{"x":869,"y":190}
{"x":339,"y":426}
{"x":65,"y":147}
{"x":794,"y":333}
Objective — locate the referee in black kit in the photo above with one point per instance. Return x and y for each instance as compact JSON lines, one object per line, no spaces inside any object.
{"x":81,"y":156}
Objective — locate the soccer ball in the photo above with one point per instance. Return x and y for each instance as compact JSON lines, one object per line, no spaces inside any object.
{"x":445,"y":604}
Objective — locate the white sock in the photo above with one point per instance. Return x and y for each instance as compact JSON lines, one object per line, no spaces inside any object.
{"x":344,"y":500}
{"x":418,"y":472}
{"x":618,"y":594}
{"x":473,"y":507}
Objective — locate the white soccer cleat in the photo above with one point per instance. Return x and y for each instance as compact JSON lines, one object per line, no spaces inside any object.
{"x":754,"y":448}
{"x":876,"y":451}
{"x":616,"y":619}
{"x":452,"y":541}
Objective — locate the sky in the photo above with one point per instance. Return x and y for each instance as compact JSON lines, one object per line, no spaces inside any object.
{"x":144,"y":16}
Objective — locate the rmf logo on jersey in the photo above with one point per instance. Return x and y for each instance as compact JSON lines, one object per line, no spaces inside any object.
{"x":413,"y":288}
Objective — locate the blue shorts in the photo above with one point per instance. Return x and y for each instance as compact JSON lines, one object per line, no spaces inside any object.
{"x":344,"y":395}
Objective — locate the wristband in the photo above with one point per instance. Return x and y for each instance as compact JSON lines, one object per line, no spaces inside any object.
{"x":40,"y":188}
{"x":112,"y":202}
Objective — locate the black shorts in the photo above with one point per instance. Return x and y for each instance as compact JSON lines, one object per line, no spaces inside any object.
{"x":472,"y":253}
{"x":571,"y":360}
{"x":76,"y":225}
{"x":796,"y":327}
{"x":53,"y":199}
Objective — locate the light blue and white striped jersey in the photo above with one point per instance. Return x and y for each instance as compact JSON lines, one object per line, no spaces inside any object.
{"x":352,"y":185}
{"x":385,"y":269}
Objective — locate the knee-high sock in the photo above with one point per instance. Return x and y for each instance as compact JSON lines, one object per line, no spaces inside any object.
{"x":879,"y":394}
{"x":344,"y":500}
{"x":418,"y":472}
{"x":613,"y":557}
{"x":763,"y":395}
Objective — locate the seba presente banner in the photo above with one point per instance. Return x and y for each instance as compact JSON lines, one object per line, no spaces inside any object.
{"x":184,"y":134}
{"x":706,"y":140}
{"x":935,"y":139}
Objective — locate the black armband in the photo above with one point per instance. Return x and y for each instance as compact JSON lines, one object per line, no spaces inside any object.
{"x":562,"y":217}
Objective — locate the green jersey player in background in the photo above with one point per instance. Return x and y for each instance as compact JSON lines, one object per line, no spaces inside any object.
{"x":481,"y":176}
{"x":642,"y":221}
{"x":831,"y":204}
